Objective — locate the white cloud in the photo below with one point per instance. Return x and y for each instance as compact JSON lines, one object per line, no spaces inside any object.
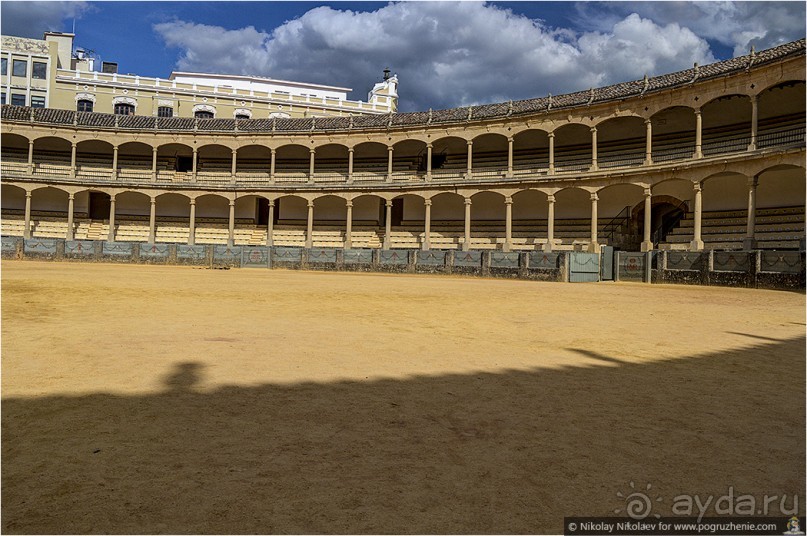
{"x":32,"y":19}
{"x":446,"y":54}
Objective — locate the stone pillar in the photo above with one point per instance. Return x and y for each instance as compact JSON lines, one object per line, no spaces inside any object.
{"x":428,"y":225}
{"x":270,"y":224}
{"x":70,"y":204}
{"x":466,"y":245}
{"x":27,"y":232}
{"x":697,"y":243}
{"x":508,"y":224}
{"x":388,"y":225}
{"x":750,"y":242}
{"x":192,"y":224}
{"x":349,"y":225}
{"x":153,"y":221}
{"x":231,"y":225}
{"x":550,"y":223}
{"x":154,"y":164}
{"x":551,"y":152}
{"x":309,"y":231}
{"x":754,"y":122}
{"x":470,"y":158}
{"x":30,"y":157}
{"x":73,"y":160}
{"x":510,"y":156}
{"x":114,"y":162}
{"x":111,"y":236}
{"x":272,"y":165}
{"x":594,"y":149}
{"x":193,"y":169}
{"x":233,"y":166}
{"x":647,"y":241}
{"x":428,"y":161}
{"x":390,"y":149}
{"x":311,"y":159}
{"x":350,"y":165}
{"x":698,"y":134}
{"x":594,"y":246}
{"x":648,"y":151}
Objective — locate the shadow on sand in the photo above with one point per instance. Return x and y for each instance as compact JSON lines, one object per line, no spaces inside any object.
{"x":511,"y":452}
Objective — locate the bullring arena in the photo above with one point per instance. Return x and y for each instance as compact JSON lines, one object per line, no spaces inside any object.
{"x":144,"y":397}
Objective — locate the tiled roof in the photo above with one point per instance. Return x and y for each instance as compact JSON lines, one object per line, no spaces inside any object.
{"x":454,"y":115}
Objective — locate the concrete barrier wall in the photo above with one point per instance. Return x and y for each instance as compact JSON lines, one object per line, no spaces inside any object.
{"x":755,"y":269}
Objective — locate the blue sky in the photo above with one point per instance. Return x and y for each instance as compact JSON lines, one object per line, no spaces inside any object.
{"x":445,"y":53}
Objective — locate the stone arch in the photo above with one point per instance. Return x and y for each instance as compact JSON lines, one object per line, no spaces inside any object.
{"x":447,"y":206}
{"x":572,"y":202}
{"x":291,"y":209}
{"x":530,"y":205}
{"x":12,"y":197}
{"x":673,"y":136}
{"x":489,"y":151}
{"x":726,"y":124}
{"x":14,"y":148}
{"x":409,"y":156}
{"x":781,"y":111}
{"x":331,"y":158}
{"x":369,"y":159}
{"x":488,"y":205}
{"x":725,"y":191}
{"x":214,"y":159}
{"x":132,"y":203}
{"x":212,"y":206}
{"x":173,"y":157}
{"x":292,"y":160}
{"x":449,"y":155}
{"x":173,"y":205}
{"x":781,"y":186}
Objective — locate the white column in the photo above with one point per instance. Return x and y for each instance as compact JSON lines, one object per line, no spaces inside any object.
{"x":428,"y":161}
{"x":698,"y":134}
{"x":647,"y":242}
{"x":349,"y":225}
{"x":754,"y":122}
{"x":193,"y":170}
{"x":231,"y":225}
{"x":114,"y":162}
{"x":551,"y":152}
{"x":550,"y":223}
{"x":594,"y":149}
{"x":697,"y":243}
{"x":350,"y":165}
{"x":309,"y":231}
{"x":510,"y":156}
{"x":73,"y":160}
{"x":270,"y":224}
{"x":312,"y":156}
{"x":389,"y":163}
{"x":272,"y":166}
{"x":111,"y":235}
{"x":233,"y":166}
{"x":750,"y":230}
{"x":153,"y":221}
{"x":30,"y":157}
{"x":648,"y":151}
{"x":154,"y":164}
{"x":594,"y":247}
{"x":27,"y":232}
{"x":70,"y":234}
{"x":427,"y":225}
{"x":388,"y":225}
{"x":508,"y":224}
{"x":467,"y":243}
{"x":470,"y":158}
{"x":192,"y":224}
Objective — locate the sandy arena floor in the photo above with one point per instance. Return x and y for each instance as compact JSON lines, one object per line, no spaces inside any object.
{"x":184,"y":400}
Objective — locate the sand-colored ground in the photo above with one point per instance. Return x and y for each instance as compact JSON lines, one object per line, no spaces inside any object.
{"x":169,"y":399}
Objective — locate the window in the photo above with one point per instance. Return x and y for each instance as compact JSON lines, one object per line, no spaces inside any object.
{"x":3,"y":97}
{"x":241,"y":116}
{"x":17,"y":99}
{"x":165,"y":111}
{"x":20,"y":68}
{"x":37,"y":101}
{"x":4,"y":66}
{"x":39,"y":70}
{"x":203,"y":115}
{"x":84,"y":105}
{"x":124,"y":109}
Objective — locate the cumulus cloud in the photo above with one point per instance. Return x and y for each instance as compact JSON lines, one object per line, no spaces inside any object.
{"x":737,"y":25}
{"x":32,"y":19}
{"x":445,"y":53}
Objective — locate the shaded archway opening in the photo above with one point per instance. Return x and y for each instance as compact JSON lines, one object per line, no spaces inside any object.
{"x":51,"y":156}
{"x":573,"y":148}
{"x":12,"y":200}
{"x":489,"y":154}
{"x":14,"y":148}
{"x":135,"y":160}
{"x":370,"y":161}
{"x":781,"y":111}
{"x":621,"y":141}
{"x":666,"y":212}
{"x":214,"y":163}
{"x":292,"y":161}
{"x":530,"y":151}
{"x":726,"y":124}
{"x":331,"y":162}
{"x":253,"y":161}
{"x":174,"y":159}
{"x":673,"y":134}
{"x":449,"y":156}
{"x":409,"y":158}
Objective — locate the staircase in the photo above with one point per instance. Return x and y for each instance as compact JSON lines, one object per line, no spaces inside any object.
{"x":96,"y":231}
{"x":257,"y":238}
